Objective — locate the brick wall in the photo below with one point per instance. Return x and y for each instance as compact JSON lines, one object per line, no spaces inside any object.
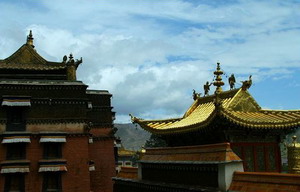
{"x":34,"y":153}
{"x":75,"y":151}
{"x":102,"y":153}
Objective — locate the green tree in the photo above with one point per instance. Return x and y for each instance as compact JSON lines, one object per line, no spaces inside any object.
{"x":155,"y":141}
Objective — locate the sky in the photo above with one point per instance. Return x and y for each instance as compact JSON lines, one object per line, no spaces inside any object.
{"x":151,"y":54}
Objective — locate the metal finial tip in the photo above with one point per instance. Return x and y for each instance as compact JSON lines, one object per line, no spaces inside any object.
{"x":71,"y":56}
{"x":30,"y":39}
{"x":30,"y":33}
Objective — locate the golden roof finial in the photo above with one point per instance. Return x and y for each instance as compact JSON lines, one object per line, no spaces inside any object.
{"x":218,"y":80}
{"x":30,"y":39}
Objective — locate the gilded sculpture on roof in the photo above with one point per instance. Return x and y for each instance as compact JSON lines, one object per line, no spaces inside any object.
{"x":196,"y":95}
{"x":247,"y":84}
{"x":231,"y":81}
{"x":206,"y":88}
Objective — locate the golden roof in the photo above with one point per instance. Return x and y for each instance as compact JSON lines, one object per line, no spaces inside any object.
{"x":237,"y":106}
{"x":124,"y":152}
{"x":26,"y":58}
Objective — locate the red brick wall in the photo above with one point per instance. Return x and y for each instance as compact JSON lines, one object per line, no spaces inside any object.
{"x":77,"y":178}
{"x":34,"y":153}
{"x":102,"y":153}
{"x":75,"y":151}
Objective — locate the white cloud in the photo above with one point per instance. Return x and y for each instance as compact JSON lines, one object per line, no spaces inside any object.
{"x":151,"y":55}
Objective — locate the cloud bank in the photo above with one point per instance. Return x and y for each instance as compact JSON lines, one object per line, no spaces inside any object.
{"x":151,"y":54}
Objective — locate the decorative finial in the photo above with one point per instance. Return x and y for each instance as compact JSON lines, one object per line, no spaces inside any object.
{"x":30,"y":39}
{"x":218,"y":80}
{"x":71,"y":56}
{"x":247,"y":84}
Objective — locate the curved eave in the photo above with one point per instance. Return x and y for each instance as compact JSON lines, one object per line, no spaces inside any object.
{"x":266,"y":124}
{"x":176,"y":130}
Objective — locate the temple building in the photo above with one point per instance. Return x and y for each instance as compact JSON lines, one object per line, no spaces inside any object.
{"x":231,"y":116}
{"x":56,"y":135}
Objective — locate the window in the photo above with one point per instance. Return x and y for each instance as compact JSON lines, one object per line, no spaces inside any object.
{"x":14,"y":183}
{"x":15,"y":119}
{"x":52,"y":182}
{"x":52,"y":151}
{"x":128,"y":163}
{"x":16,"y":151}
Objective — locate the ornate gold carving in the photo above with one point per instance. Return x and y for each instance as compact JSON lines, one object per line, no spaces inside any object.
{"x":294,"y":156}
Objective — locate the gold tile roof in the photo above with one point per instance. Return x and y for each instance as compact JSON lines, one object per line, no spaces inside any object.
{"x":26,"y":58}
{"x":238,"y":107}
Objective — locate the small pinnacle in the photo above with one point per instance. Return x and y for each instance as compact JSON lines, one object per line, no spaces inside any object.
{"x":30,"y":39}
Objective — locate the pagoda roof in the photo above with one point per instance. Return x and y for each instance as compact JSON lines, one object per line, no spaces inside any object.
{"x":236,"y":105}
{"x":27,"y":58}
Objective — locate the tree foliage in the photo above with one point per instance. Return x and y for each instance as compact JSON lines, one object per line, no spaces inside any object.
{"x":155,"y":141}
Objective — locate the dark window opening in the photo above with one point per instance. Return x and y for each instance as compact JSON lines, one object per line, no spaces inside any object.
{"x":52,"y":182}
{"x":16,"y":151}
{"x":16,"y":119}
{"x":52,"y":151}
{"x":14,"y":183}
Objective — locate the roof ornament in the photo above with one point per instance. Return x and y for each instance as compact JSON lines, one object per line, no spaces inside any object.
{"x":247,"y":84}
{"x":206,"y":88}
{"x":65,"y":58}
{"x":133,"y":118}
{"x":218,"y":80}
{"x":196,"y":95}
{"x":231,"y":81}
{"x":30,"y":39}
{"x":72,"y":66}
{"x":71,"y":58}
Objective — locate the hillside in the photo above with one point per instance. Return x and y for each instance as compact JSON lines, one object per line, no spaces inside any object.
{"x":132,"y":136}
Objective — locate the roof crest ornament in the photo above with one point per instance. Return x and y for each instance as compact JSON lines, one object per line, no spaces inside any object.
{"x":206,"y":88}
{"x":196,"y":95}
{"x":72,"y":66}
{"x":30,"y":39}
{"x":247,"y":84}
{"x":218,"y":83}
{"x":218,"y":80}
{"x":231,"y":81}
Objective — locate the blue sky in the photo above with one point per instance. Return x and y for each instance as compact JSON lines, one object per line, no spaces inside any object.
{"x":151,"y":54}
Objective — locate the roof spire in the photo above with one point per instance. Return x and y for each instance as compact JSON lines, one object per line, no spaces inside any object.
{"x":30,"y":39}
{"x":218,"y":80}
